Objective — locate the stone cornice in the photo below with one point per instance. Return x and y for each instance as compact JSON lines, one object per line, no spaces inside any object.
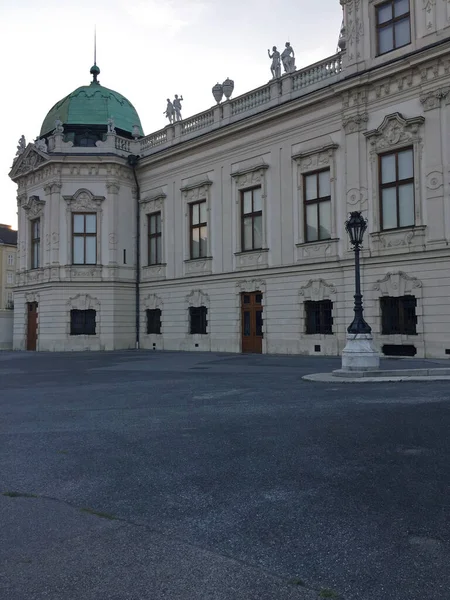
{"x":314,"y":151}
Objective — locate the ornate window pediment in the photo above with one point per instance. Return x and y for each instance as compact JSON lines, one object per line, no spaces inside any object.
{"x":196,"y":187}
{"x":83,"y":302}
{"x":317,"y":290}
{"x":154,"y":200}
{"x":250,"y":173}
{"x":34,"y":207}
{"x":398,"y":284}
{"x":395,"y":131}
{"x":84,"y":200}
{"x":197,"y":298}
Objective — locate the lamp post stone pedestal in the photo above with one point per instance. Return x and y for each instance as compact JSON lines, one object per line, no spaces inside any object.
{"x":360,"y":353}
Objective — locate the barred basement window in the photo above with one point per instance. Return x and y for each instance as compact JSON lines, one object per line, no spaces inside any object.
{"x":82,"y":322}
{"x":398,"y":315}
{"x":154,"y":321}
{"x":197,"y":319}
{"x":319,"y":317}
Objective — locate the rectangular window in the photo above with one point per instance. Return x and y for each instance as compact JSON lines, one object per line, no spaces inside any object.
{"x":35,"y":243}
{"x":397,"y":189}
{"x":251,"y":219}
{"x":398,"y":315}
{"x":198,"y":229}
{"x":10,"y":300}
{"x":82,"y":322}
{"x":84,"y":239}
{"x":317,"y":203}
{"x":10,"y":278}
{"x":10,"y":260}
{"x":154,"y":321}
{"x":319,"y":317}
{"x":154,"y":238}
{"x":197,"y":319}
{"x":393,"y":23}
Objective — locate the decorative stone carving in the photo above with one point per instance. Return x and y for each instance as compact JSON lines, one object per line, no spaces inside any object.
{"x":59,"y":128}
{"x":402,"y":240}
{"x":354,"y":123}
{"x":217,"y":92}
{"x":395,"y":130}
{"x":155,"y":199}
{"x":83,"y":199}
{"x":200,"y":266}
{"x":196,"y":188}
{"x":228,"y":87}
{"x":250,"y":285}
{"x":30,"y":160}
{"x":22,"y":144}
{"x":322,"y":251}
{"x":397,"y":284}
{"x":256,"y":259}
{"x":152,"y":272}
{"x":177,"y":107}
{"x":113,"y":187}
{"x":197,"y":298}
{"x":429,"y":8}
{"x":357,"y":199}
{"x":86,"y":273}
{"x":152,"y":302}
{"x":317,"y":290}
{"x":315,"y":158}
{"x":431,"y":100}
{"x":34,"y":207}
{"x":275,"y":67}
{"x":434,"y":180}
{"x":288,"y":58}
{"x":83,"y":302}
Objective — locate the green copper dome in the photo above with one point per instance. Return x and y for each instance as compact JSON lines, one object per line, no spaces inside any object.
{"x":93,"y":105}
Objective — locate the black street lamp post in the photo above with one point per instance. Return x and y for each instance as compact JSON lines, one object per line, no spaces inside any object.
{"x":355,"y":227}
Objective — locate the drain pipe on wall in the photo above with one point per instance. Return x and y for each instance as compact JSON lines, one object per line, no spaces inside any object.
{"x":133,"y":161}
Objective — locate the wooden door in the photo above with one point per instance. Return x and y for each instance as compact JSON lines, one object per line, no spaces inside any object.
{"x":32,"y":325}
{"x":252,"y":322}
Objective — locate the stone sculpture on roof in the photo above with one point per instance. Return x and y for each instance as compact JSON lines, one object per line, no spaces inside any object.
{"x":275,"y":67}
{"x":288,"y":58}
{"x":169,"y":112}
{"x":177,"y":107}
{"x":21,"y":145}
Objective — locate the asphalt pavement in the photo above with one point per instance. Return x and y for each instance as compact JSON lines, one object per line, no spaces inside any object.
{"x":185,"y":476}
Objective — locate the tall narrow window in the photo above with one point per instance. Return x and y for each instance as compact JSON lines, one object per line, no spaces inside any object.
{"x":317,"y":196}
{"x":154,"y":321}
{"x":35,"y":243}
{"x":397,"y":189}
{"x":199,"y":229}
{"x":251,"y":219}
{"x":10,"y":260}
{"x":84,"y":239}
{"x":393,"y":25}
{"x":154,"y":238}
{"x":197,"y":318}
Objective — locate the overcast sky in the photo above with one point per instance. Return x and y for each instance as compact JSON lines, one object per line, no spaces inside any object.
{"x":148,"y":50}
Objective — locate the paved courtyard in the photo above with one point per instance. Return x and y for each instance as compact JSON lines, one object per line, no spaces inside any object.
{"x":148,"y":476}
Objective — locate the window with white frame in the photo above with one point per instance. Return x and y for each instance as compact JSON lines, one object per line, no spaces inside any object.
{"x":317,"y":205}
{"x":84,"y":238}
{"x":397,"y":189}
{"x":251,"y":219}
{"x":10,"y":278}
{"x":393,"y":25}
{"x":10,"y":260}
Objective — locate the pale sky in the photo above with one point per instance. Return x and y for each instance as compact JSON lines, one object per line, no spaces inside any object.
{"x":148,"y":50}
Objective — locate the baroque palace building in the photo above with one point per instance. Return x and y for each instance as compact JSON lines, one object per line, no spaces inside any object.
{"x":225,"y":231}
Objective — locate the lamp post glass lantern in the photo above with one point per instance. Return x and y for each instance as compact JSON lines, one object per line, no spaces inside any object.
{"x":356,"y":227}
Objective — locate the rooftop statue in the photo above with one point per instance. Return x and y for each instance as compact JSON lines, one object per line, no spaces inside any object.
{"x":41,"y":144}
{"x":170,"y":111}
{"x":59,"y":129}
{"x":111,"y":125}
{"x":21,"y":145}
{"x":288,"y":60}
{"x":275,"y":67}
{"x":177,"y":107}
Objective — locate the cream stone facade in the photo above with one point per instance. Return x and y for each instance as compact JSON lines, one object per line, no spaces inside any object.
{"x":370,"y":128}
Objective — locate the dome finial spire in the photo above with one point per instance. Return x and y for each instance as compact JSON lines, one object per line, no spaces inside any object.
{"x":95,"y":71}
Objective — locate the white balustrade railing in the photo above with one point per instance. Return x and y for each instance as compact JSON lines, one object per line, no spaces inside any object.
{"x":197,"y":122}
{"x":317,"y":72}
{"x":155,"y":139}
{"x":251,"y":100}
{"x":300,"y":81}
{"x":122,"y":144}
